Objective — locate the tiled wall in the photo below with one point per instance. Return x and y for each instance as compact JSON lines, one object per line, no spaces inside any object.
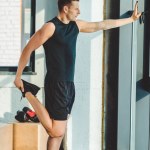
{"x":10,"y":32}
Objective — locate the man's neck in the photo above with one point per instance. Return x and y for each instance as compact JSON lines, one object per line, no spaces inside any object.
{"x":63,"y":18}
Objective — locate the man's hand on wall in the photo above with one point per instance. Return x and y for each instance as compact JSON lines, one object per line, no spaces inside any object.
{"x":136,"y":15}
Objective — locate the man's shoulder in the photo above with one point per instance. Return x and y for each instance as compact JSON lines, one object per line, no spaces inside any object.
{"x":50,"y":23}
{"x":48,"y":28}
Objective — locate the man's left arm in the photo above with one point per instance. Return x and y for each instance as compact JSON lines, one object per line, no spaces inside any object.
{"x":88,"y":27}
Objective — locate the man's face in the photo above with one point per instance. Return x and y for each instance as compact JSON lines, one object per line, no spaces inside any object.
{"x":73,"y":10}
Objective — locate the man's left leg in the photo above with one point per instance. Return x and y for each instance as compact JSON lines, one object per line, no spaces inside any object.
{"x":54,"y":143}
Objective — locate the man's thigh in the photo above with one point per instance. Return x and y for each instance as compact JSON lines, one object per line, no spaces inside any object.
{"x":59,"y":126}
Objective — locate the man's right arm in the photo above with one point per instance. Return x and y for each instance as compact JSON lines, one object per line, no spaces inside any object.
{"x":35,"y":41}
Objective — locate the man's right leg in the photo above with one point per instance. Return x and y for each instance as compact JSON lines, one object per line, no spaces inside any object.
{"x":53,"y":127}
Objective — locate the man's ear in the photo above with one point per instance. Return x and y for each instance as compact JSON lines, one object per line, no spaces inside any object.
{"x":65,"y":9}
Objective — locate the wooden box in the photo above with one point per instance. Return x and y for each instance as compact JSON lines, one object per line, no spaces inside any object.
{"x":29,"y":136}
{"x":6,"y":136}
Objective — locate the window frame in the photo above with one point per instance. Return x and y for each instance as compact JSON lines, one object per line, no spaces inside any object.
{"x":146,"y":56}
{"x":31,"y":68}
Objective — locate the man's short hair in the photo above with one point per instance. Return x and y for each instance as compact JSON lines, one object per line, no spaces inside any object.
{"x":62,"y":3}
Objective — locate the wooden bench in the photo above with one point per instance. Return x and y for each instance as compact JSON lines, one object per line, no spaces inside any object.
{"x":29,"y":136}
{"x":22,"y":136}
{"x":6,"y":136}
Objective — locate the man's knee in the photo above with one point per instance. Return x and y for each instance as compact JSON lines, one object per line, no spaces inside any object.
{"x":54,"y":133}
{"x":58,"y":128}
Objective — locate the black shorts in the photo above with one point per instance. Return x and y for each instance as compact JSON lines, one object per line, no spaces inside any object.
{"x":59,"y":98}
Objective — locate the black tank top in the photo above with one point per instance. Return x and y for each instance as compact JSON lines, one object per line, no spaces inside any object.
{"x":60,"y":51}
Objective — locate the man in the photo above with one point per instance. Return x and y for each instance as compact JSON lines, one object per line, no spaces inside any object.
{"x":58,"y":36}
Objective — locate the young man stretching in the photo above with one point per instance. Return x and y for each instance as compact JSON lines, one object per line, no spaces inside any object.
{"x":58,"y":37}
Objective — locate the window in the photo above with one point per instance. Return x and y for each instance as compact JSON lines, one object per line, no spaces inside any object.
{"x":17,"y":25}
